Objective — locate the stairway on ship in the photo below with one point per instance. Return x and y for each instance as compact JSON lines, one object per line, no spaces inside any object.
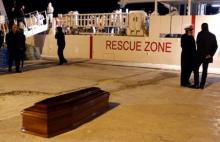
{"x":36,"y":22}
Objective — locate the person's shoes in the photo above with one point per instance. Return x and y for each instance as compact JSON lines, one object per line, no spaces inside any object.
{"x":10,"y":70}
{"x":186,"y":85}
{"x":65,"y":61}
{"x":18,"y":71}
{"x":201,"y":86}
{"x":194,"y":86}
{"x":60,"y":63}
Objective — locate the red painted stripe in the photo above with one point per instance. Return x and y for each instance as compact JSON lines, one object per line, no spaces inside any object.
{"x":91,"y":47}
{"x":194,"y":24}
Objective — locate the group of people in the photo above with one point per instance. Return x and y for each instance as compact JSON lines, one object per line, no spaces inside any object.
{"x":15,"y":38}
{"x":37,"y":19}
{"x":196,"y":53}
{"x":18,"y":14}
{"x":15,"y":41}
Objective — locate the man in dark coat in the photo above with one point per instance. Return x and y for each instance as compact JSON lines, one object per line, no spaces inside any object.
{"x":61,"y":45}
{"x":14,"y":41}
{"x":188,"y":56}
{"x":23,"y":47}
{"x":206,"y":48}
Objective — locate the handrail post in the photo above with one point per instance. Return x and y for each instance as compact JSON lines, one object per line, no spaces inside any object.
{"x":189,"y":7}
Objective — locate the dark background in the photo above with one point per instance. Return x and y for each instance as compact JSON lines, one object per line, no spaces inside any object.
{"x":63,"y":6}
{"x":85,"y":6}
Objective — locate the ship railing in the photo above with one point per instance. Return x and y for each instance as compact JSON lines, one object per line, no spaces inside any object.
{"x":96,"y":23}
{"x":35,"y":22}
{"x":4,"y":24}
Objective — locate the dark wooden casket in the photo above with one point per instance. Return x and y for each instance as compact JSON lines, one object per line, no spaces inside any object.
{"x":59,"y":114}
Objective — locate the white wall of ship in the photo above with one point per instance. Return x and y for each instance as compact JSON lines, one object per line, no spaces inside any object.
{"x":152,"y":51}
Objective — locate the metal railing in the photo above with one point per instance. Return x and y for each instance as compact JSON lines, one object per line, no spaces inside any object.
{"x":97,"y":23}
{"x":35,"y":18}
{"x":4,"y":27}
{"x":32,"y":19}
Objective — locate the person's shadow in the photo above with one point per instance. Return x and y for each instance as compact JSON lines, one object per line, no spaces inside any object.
{"x":212,"y":80}
{"x":35,"y":65}
{"x":29,"y":66}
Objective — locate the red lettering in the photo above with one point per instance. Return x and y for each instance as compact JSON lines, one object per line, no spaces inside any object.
{"x":120,"y":46}
{"x":108,"y":45}
{"x":132,"y":48}
{"x":161,"y":47}
{"x":146,"y":46}
{"x":114,"y":45}
{"x":127,"y":46}
{"x":153,"y":48}
{"x":168,"y":47}
{"x":138,"y":46}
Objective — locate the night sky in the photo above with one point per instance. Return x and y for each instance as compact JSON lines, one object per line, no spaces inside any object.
{"x":63,"y":6}
{"x":83,"y":6}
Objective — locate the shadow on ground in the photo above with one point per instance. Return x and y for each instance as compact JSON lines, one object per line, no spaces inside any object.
{"x":35,"y":65}
{"x":212,"y":80}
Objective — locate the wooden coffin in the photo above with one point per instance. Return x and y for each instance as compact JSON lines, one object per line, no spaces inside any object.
{"x":62,"y":113}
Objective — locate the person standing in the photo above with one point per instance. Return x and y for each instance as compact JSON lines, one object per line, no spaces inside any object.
{"x":14,"y":43}
{"x":21,"y":16}
{"x":50,"y":11}
{"x":22,"y":42}
{"x":14,"y":15}
{"x":188,"y":56}
{"x":61,"y":45}
{"x":206,"y":48}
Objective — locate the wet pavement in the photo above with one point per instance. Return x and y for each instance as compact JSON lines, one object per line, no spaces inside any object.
{"x":149,"y":104}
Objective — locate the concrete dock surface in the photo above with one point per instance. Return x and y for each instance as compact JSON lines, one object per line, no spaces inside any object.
{"x":148,"y":104}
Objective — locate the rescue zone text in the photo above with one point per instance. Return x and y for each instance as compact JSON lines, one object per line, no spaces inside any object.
{"x":148,"y":46}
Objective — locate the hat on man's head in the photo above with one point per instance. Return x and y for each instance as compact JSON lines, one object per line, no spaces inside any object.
{"x":189,"y":28}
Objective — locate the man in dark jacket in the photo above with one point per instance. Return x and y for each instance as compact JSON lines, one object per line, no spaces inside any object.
{"x":188,"y":56}
{"x":23,"y":47}
{"x":61,"y":45}
{"x":14,"y":41}
{"x":206,"y":48}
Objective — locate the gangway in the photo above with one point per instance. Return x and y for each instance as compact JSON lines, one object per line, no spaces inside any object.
{"x":36,"y":22}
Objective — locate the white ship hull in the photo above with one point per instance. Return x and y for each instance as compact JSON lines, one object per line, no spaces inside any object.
{"x":152,"y":51}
